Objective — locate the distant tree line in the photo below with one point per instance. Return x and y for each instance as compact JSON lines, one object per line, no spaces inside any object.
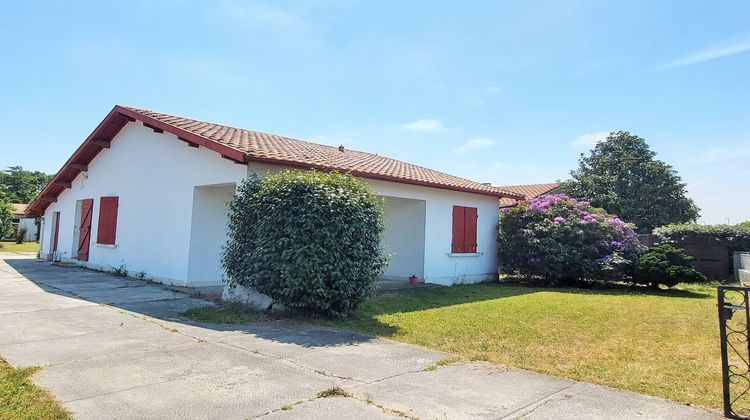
{"x":22,"y":186}
{"x":18,"y":186}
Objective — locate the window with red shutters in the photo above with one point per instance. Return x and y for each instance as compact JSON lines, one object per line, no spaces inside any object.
{"x":107,"y":231}
{"x":464,"y":230}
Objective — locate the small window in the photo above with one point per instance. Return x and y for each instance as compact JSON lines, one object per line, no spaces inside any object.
{"x":107,"y":231}
{"x":464,"y":230}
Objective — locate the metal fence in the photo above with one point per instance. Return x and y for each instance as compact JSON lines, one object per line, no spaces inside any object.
{"x":734,"y":319}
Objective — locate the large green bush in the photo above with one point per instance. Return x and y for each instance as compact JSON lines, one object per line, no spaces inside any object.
{"x":665,"y":264}
{"x":307,"y":239}
{"x":562,"y":240}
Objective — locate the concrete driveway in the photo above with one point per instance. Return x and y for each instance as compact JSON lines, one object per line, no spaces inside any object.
{"x":112,"y":347}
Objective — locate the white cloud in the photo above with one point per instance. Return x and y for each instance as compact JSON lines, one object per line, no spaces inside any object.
{"x":476,"y":143}
{"x":589,"y":140}
{"x":424,"y":125}
{"x":719,"y":154}
{"x":728,"y":48}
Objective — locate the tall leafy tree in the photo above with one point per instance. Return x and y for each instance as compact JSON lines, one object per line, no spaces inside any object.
{"x":622,"y":176}
{"x":22,"y":186}
{"x":6,"y":214}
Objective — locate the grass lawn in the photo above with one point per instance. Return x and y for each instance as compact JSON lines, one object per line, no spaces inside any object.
{"x":23,"y":247}
{"x":21,"y":399}
{"x":662,"y":343}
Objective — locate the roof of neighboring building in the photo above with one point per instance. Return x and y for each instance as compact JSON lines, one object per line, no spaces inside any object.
{"x":243,"y":146}
{"x":528,"y":191}
{"x":18,"y":208}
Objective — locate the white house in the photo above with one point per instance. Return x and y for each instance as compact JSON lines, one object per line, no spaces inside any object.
{"x":147,"y":191}
{"x":20,"y":220}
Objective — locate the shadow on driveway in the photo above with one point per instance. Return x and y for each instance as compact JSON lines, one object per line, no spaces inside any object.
{"x":157,"y":301}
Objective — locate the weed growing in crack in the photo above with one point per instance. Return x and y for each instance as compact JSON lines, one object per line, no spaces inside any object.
{"x":442,"y":362}
{"x":334,"y":391}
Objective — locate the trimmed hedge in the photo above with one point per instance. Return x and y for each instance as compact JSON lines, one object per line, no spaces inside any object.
{"x":711,"y":231}
{"x":736,"y":236}
{"x":309,"y":240}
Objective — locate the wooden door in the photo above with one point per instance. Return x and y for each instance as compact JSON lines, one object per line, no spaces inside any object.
{"x":56,"y":227}
{"x":84,"y":230}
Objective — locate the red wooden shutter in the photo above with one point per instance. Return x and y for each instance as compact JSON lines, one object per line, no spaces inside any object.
{"x":107,"y":232}
{"x":458,"y":230}
{"x":470,"y":229}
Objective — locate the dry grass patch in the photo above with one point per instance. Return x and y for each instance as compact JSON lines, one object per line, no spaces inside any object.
{"x":21,"y":399}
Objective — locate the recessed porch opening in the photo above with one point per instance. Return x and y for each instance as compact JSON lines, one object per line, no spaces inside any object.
{"x":208,"y":233}
{"x":404,"y":239}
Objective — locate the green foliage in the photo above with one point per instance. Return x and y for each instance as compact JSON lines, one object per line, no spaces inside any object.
{"x":6,"y":214}
{"x":705,"y":231}
{"x":307,"y":239}
{"x":737,"y":236}
{"x":22,"y":186}
{"x":563,"y":240}
{"x":622,"y":176}
{"x":665,"y":264}
{"x":120,"y":271}
{"x":20,"y":234}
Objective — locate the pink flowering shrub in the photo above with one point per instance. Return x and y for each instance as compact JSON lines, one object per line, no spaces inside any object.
{"x":563,"y":240}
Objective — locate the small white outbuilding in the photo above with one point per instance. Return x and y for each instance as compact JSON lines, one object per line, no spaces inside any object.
{"x":147,"y":192}
{"x":21,"y":221}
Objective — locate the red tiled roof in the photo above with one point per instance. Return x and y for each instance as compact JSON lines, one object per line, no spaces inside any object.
{"x":244,"y":146}
{"x":18,"y":208}
{"x":528,"y":191}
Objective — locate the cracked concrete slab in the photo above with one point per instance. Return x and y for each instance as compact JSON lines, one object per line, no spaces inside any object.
{"x":241,"y":391}
{"x":111,"y":347}
{"x":331,"y":408}
{"x":372,"y":360}
{"x":590,"y":401}
{"x":472,"y":390}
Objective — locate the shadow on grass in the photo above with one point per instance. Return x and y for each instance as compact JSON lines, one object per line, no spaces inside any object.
{"x":367,"y":317}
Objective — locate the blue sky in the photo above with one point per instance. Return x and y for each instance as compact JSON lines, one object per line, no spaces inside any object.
{"x":501,"y":92}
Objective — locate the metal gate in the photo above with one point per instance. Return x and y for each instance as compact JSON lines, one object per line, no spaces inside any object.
{"x":734,"y":322}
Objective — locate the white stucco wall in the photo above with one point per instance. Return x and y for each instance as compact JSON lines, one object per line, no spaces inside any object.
{"x":440,"y":266}
{"x":29,"y":223}
{"x":154,"y":175}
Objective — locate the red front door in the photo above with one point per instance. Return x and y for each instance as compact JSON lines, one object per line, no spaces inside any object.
{"x":84,"y":231}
